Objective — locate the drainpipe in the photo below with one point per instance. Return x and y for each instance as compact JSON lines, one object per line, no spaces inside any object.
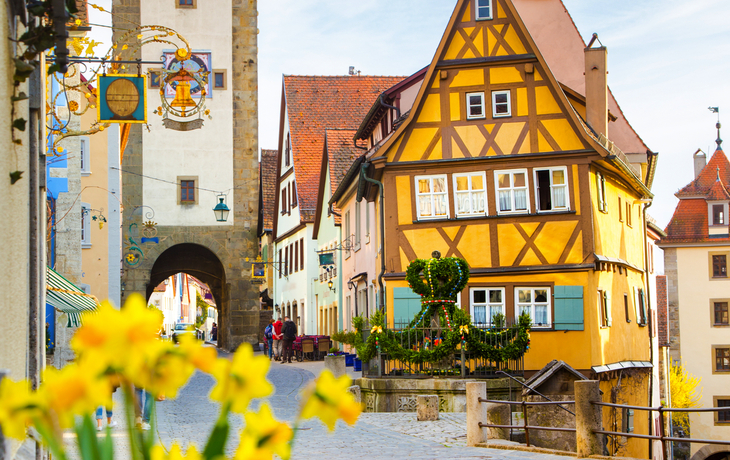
{"x":647,"y":303}
{"x":364,"y":175}
{"x":382,"y":102}
{"x":331,"y":211}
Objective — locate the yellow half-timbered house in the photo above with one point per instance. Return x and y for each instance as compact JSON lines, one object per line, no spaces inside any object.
{"x":499,"y":163}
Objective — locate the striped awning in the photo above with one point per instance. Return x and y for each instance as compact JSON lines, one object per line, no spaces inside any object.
{"x":67,"y":298}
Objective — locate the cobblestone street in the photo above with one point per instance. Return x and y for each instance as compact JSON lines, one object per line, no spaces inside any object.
{"x":189,"y":418}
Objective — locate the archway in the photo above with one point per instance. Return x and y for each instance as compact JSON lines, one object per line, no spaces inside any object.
{"x":712,"y":452}
{"x":201,"y":263}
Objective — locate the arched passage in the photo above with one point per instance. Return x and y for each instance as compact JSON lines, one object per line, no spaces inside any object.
{"x":712,"y":452}
{"x":203,"y":264}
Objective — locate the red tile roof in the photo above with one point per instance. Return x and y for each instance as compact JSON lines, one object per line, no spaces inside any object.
{"x":707,"y":178}
{"x":267,"y":173}
{"x":341,"y":154}
{"x":314,"y":104}
{"x":689,"y":222}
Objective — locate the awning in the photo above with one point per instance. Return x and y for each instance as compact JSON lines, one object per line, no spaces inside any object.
{"x":67,"y":298}
{"x":622,"y":365}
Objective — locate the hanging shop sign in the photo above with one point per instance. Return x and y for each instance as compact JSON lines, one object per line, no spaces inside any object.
{"x":122,"y":99}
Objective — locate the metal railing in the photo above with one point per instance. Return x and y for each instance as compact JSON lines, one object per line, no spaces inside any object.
{"x":461,"y":364}
{"x":662,"y":435}
{"x":527,"y":427}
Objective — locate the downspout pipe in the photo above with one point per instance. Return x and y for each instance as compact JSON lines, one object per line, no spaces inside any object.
{"x":364,"y":175}
{"x":647,"y":304}
{"x":381,"y":100}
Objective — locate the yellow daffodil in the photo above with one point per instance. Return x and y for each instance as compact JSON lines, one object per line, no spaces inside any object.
{"x":328,"y":399}
{"x":73,"y":390}
{"x":264,"y":436}
{"x":158,"y":453}
{"x":133,"y":335}
{"x":377,"y":329}
{"x":18,"y":407}
{"x":241,"y":379}
{"x":200,"y":356}
{"x":464,"y":329}
{"x":161,"y":369}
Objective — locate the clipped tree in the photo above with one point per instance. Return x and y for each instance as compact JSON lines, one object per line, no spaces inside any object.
{"x":686,"y":393}
{"x":203,"y":306}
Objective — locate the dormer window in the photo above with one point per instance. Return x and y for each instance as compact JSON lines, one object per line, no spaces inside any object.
{"x":483,"y":9}
{"x":718,"y":214}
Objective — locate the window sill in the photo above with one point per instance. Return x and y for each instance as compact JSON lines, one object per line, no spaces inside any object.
{"x":483,"y":117}
{"x":85,"y":245}
{"x":503,"y":215}
{"x":553,"y":211}
{"x":721,"y":325}
{"x":85,"y":173}
{"x":718,"y":278}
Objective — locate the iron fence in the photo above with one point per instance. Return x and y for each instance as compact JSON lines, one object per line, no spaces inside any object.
{"x":460,"y":364}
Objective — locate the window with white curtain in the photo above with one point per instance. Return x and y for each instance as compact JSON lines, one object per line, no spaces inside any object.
{"x":551,"y":188}
{"x":534,"y":301}
{"x":485,"y":303}
{"x":512,"y":194}
{"x":475,"y":106}
{"x":470,"y":194}
{"x":432,"y":197}
{"x":85,"y":225}
{"x":84,"y":156}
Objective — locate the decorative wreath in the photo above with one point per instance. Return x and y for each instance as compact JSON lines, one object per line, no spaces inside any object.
{"x":438,"y":281}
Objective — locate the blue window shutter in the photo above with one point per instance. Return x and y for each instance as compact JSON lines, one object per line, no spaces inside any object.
{"x":568,"y":308}
{"x":406,"y":304}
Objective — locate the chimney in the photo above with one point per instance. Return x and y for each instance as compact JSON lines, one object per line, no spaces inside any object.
{"x":700,"y":160}
{"x":597,"y":88}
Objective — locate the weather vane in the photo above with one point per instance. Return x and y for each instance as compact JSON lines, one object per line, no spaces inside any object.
{"x":716,"y":110}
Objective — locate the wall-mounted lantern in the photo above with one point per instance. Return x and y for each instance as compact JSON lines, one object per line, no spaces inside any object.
{"x":221,"y":210}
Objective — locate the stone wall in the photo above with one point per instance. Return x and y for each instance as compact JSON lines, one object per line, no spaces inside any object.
{"x":549,"y":415}
{"x":672,"y":274}
{"x":400,"y":395}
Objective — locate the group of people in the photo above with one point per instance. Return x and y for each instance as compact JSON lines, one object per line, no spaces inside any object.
{"x":280,"y":339}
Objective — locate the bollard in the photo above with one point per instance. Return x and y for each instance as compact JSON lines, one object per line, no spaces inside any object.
{"x":427,"y":408}
{"x":476,"y":413}
{"x":588,"y":417}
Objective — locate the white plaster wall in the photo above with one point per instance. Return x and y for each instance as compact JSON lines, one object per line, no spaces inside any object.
{"x":298,"y":286}
{"x":207,"y":152}
{"x":408,"y":97}
{"x":286,"y":222}
{"x":698,"y":336}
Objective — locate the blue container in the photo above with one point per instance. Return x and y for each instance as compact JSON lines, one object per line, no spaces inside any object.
{"x":349,"y":360}
{"x":358,"y":364}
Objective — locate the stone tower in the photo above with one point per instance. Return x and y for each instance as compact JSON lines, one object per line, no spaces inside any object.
{"x":165,"y":227}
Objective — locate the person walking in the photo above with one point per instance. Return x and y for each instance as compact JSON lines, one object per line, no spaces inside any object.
{"x":109,"y":413}
{"x":214,"y":333}
{"x":143,"y":408}
{"x":289,"y":330}
{"x":278,"y":342}
{"x":269,"y":336}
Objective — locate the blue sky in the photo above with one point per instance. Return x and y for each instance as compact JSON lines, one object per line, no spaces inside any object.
{"x":668,"y":61}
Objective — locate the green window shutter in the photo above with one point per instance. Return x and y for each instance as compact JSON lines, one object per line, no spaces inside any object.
{"x":568,"y":308}
{"x":406,"y":304}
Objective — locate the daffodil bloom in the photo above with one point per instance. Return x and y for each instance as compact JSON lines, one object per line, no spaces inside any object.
{"x":133,"y":333}
{"x":377,"y":329}
{"x":241,"y":379}
{"x":328,"y":399}
{"x":200,"y":356}
{"x":464,"y":329}
{"x":264,"y":436}
{"x":161,"y":368}
{"x":158,"y":453}
{"x":18,"y":407}
{"x":73,"y":390}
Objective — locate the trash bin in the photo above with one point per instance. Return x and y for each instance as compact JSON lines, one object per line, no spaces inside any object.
{"x":358,"y":364}
{"x":349,"y":360}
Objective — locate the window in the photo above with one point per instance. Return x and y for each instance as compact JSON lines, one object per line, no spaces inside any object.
{"x":552,"y":189}
{"x":294,"y":200}
{"x":620,"y":210}
{"x":719,"y":266}
{"x":485,"y":304}
{"x":474,"y":106}
{"x":85,"y":225}
{"x":287,"y":150}
{"x":301,"y":252}
{"x":718,"y":214}
{"x":284,"y":206}
{"x":604,"y":307}
{"x":483,"y":9}
{"x":640,"y":304}
{"x":187,"y":191}
{"x":432,"y":197}
{"x":357,"y":226}
{"x":722,"y":358}
{"x":367,"y":223}
{"x":536,"y":303}
{"x":501,"y":106}
{"x":219,"y":78}
{"x":296,"y":256}
{"x":84,"y":156}
{"x":721,"y":314}
{"x":348,"y":241}
{"x":470,"y":194}
{"x":154,"y":78}
{"x":280,"y":263}
{"x":626,"y":307}
{"x":286,"y":260}
{"x":628,"y":213}
{"x":512,"y":191}
{"x":186,"y":3}
{"x":601,"y":192}
{"x":722,"y":416}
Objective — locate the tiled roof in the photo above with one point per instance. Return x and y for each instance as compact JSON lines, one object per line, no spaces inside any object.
{"x":707,"y":178}
{"x":341,"y":154}
{"x":689,"y":222}
{"x":267,"y":173}
{"x":316,"y":103}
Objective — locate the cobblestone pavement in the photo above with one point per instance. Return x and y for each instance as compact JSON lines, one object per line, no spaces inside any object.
{"x":189,"y":418}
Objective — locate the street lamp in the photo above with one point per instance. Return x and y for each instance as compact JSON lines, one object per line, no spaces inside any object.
{"x":221,"y":210}
{"x":330,"y":285}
